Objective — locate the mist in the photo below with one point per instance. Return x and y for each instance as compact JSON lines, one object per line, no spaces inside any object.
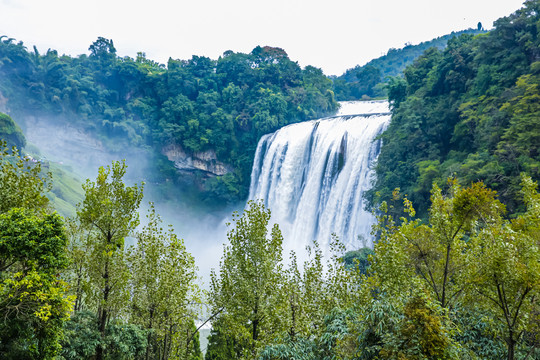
{"x":58,"y":140}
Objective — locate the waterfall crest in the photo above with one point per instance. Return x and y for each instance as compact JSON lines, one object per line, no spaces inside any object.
{"x":312,"y":175}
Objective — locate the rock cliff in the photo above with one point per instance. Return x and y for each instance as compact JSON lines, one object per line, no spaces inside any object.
{"x":205,"y":161}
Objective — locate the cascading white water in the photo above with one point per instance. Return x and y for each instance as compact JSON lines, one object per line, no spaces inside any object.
{"x":312,"y":175}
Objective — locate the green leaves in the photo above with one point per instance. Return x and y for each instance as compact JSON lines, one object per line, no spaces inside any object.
{"x":468,"y":258}
{"x":248,"y":288}
{"x":109,"y":214}
{"x":469,"y":111}
{"x":507,"y":271}
{"x":11,"y":132}
{"x":32,"y":242}
{"x":165,"y":296}
{"x":200,"y":104}
{"x":21,"y":181}
{"x":145,"y":298}
{"x":109,"y":207}
{"x":33,"y":299}
{"x":32,"y":254}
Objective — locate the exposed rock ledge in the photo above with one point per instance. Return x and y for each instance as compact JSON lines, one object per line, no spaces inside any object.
{"x":198,"y":161}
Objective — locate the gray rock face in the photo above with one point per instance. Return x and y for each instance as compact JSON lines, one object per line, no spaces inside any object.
{"x":205,"y":161}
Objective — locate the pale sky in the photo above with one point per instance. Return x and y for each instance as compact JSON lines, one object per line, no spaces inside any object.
{"x":333,"y":35}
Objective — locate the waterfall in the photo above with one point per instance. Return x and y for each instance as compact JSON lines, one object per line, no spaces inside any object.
{"x":312,"y":175}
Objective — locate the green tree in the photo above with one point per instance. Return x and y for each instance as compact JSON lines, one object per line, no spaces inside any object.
{"x":109,"y":213}
{"x":317,"y":306}
{"x":507,"y":274}
{"x":466,"y":250}
{"x":358,"y":259}
{"x":422,"y":333}
{"x":193,"y":343}
{"x":248,"y":288}
{"x":124,"y":341}
{"x":437,"y":252}
{"x":164,"y":290}
{"x":327,"y":344}
{"x":522,"y":137}
{"x":77,"y":250}
{"x":221,"y":344}
{"x":103,"y":49}
{"x":33,"y":300}
{"x":22,"y":182}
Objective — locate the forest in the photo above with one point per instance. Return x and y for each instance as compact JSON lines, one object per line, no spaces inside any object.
{"x":455,"y":270}
{"x":463,"y":284}
{"x":369,"y":80}
{"x":469,"y":111}
{"x":199,"y":104}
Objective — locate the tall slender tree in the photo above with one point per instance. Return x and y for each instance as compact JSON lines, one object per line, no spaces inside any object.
{"x":250,"y":285}
{"x":164,"y":290}
{"x":109,"y":213}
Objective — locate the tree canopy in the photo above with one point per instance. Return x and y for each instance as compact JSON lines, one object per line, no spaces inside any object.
{"x":468,"y":111}
{"x":369,"y":80}
{"x":33,"y":298}
{"x":197,"y":105}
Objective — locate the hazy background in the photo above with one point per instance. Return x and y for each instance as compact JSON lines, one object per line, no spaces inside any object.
{"x":82,"y":152}
{"x":333,"y":35}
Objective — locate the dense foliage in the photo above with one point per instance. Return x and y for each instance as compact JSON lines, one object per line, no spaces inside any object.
{"x":471,"y":111}
{"x":416,"y":298}
{"x":33,"y":300}
{"x":263,"y":306}
{"x":223,"y":106}
{"x":11,"y":132}
{"x":369,"y":80}
{"x":462,"y":285}
{"x":131,"y":302}
{"x":459,"y":281}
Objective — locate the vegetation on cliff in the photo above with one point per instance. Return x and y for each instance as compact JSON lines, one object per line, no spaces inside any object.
{"x":11,"y":132}
{"x":368,"y":81}
{"x":199,"y":104}
{"x":469,"y":111}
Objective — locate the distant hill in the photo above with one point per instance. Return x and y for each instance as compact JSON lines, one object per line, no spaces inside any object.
{"x":471,"y":112}
{"x":368,"y":80}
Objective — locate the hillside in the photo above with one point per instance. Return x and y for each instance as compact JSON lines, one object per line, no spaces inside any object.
{"x":195,"y":122}
{"x":369,"y":79}
{"x":469,"y":111}
{"x":10,"y":132}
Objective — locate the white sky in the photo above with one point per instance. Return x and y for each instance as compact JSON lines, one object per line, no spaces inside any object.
{"x":332,"y":34}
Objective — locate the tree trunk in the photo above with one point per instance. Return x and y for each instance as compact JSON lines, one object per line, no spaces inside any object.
{"x":103,"y":314}
{"x":511,"y":346}
{"x":293,"y":325}
{"x":255,"y":333}
{"x":149,"y":337}
{"x":163,"y":355}
{"x":446,"y":265}
{"x":77,"y":306}
{"x":187,"y":343}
